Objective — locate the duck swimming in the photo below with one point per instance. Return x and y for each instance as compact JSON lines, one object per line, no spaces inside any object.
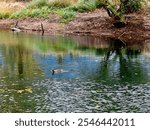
{"x":16,"y":30}
{"x":56,"y":71}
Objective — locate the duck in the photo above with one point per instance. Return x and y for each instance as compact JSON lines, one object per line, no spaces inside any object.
{"x":56,"y":71}
{"x":16,"y":30}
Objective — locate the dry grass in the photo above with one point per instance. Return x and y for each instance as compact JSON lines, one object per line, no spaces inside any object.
{"x":8,"y":8}
{"x":51,"y":3}
{"x":69,"y":2}
{"x":64,"y":1}
{"x":146,"y":4}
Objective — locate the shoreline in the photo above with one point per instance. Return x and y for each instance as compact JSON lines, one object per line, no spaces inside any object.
{"x":96,"y":23}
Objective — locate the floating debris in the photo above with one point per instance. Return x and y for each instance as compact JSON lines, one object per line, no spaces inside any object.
{"x":29,"y":90}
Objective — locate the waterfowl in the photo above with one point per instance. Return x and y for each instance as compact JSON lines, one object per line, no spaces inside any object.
{"x":16,"y":29}
{"x":57,"y":71}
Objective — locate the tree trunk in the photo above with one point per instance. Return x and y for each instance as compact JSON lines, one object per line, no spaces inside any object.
{"x":118,"y":17}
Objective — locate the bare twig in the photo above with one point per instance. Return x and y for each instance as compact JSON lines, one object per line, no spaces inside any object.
{"x":42,"y":29}
{"x":121,"y":35}
{"x":121,"y":39}
{"x":16,"y":24}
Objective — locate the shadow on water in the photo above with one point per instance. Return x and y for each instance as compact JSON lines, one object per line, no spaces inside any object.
{"x":97,"y":74}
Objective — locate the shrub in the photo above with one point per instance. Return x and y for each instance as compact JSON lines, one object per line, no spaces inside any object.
{"x":129,"y":6}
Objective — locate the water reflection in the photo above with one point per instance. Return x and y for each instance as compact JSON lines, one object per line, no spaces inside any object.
{"x":99,"y":74}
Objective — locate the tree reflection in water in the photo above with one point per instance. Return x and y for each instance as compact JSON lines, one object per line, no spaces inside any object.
{"x":119,"y":62}
{"x":101,"y":75}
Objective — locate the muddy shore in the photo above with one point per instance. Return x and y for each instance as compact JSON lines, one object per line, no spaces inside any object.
{"x":96,"y":23}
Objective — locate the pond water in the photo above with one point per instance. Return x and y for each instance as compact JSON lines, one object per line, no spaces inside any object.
{"x":97,"y":74}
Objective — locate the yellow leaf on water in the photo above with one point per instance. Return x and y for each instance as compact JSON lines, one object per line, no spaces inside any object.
{"x":97,"y":106}
{"x":28,"y":90}
{"x":20,"y":91}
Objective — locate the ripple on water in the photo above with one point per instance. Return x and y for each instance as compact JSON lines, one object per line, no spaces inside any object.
{"x":81,"y":96}
{"x":54,"y":95}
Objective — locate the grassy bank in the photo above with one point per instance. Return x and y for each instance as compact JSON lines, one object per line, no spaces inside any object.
{"x":9,"y":8}
{"x":66,"y":9}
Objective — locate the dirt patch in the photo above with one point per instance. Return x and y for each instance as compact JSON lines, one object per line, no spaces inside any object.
{"x":100,"y":24}
{"x":96,"y":23}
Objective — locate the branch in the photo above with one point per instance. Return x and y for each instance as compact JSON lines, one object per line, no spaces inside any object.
{"x":42,"y":29}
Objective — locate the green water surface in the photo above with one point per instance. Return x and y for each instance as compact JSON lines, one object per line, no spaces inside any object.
{"x":98,"y":74}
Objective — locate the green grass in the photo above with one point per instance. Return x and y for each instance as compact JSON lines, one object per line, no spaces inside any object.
{"x":56,"y":4}
{"x":83,"y":6}
{"x":4,"y":15}
{"x":64,"y":8}
{"x":66,"y":15}
{"x":33,"y":13}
